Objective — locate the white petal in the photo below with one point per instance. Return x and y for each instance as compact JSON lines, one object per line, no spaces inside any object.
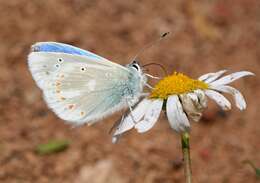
{"x":193,"y":97}
{"x":151,"y":116}
{"x":202,"y":99}
{"x":231,"y":77}
{"x":177,"y":118}
{"x":190,"y":106}
{"x":206,"y":76}
{"x":137,"y":113}
{"x":209,"y":77}
{"x":115,"y":139}
{"x":220,"y":99}
{"x":216,"y":76}
{"x":238,"y":97}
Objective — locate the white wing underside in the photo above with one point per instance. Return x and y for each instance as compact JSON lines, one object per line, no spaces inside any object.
{"x":79,"y":89}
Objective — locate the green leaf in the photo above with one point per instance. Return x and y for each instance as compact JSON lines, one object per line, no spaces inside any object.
{"x":53,"y":146}
{"x":257,"y":172}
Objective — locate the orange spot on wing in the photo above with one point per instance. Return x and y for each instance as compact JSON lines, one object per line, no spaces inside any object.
{"x":71,"y":106}
{"x":82,"y":113}
{"x":62,"y":98}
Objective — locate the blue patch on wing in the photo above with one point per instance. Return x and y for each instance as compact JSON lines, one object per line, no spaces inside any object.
{"x":62,"y":48}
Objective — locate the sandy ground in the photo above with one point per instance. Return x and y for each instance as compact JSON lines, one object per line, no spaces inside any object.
{"x":206,"y":36}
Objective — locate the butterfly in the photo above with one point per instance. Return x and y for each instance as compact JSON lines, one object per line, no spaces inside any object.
{"x":82,"y":87}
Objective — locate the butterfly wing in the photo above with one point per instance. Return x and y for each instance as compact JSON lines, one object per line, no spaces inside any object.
{"x":80,"y":89}
{"x":63,"y":48}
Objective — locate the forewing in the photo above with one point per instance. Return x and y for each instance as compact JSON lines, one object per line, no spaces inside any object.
{"x":79,"y":89}
{"x":63,"y":48}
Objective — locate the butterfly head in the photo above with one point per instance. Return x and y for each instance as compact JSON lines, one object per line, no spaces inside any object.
{"x":135,"y":67}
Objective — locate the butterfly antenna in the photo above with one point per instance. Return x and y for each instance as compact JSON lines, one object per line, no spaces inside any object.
{"x":157,"y":64}
{"x":151,"y":44}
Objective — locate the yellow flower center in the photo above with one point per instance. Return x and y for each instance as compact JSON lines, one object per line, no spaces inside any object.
{"x":175,"y":84}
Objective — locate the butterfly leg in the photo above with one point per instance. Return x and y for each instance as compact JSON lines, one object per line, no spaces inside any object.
{"x":151,"y":76}
{"x":131,"y":111}
{"x":142,"y":95}
{"x":117,"y":125}
{"x":121,"y":123}
{"x":149,"y":86}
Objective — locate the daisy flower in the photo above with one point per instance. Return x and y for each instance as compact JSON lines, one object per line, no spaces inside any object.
{"x":183,"y":99}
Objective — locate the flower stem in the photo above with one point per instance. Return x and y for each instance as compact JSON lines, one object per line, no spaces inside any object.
{"x":185,"y":142}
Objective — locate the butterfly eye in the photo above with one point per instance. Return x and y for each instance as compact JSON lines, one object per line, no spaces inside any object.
{"x":136,"y":67}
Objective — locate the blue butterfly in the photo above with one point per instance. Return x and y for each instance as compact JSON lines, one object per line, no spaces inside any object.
{"x":82,"y":87}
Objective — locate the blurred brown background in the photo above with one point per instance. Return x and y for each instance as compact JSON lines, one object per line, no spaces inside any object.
{"x":207,"y":36}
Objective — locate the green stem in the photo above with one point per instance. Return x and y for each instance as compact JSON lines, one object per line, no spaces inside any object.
{"x":185,"y":142}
